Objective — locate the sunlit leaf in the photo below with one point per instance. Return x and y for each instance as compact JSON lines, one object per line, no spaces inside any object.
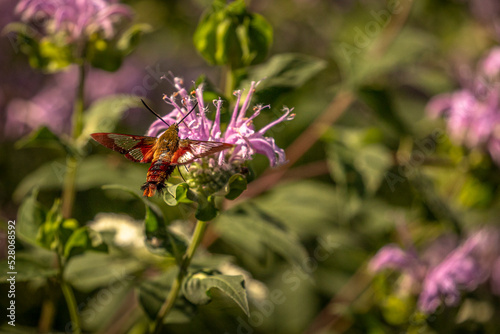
{"x":178,"y":193}
{"x":196,"y":288}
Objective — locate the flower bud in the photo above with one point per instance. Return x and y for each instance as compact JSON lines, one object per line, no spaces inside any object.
{"x":229,"y":35}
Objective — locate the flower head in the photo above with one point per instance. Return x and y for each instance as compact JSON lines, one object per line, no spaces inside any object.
{"x":76,"y":19}
{"x":473,"y":113}
{"x":391,"y":256}
{"x":240,"y":131}
{"x":443,"y":271}
{"x":461,"y":269}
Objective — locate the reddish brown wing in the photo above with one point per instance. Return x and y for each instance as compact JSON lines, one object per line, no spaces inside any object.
{"x":135,"y":148}
{"x":190,"y":150}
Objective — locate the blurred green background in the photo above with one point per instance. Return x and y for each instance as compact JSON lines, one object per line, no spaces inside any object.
{"x":368,"y":167}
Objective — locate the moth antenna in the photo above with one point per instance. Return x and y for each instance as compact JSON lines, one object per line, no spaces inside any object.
{"x":180,"y":173}
{"x":190,"y":111}
{"x":154,"y":113}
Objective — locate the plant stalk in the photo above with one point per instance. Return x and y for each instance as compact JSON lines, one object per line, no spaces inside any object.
{"x":69,"y":296}
{"x":167,"y":306}
{"x":69,"y":189}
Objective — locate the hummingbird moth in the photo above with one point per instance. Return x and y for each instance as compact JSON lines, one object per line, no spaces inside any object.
{"x":164,"y":153}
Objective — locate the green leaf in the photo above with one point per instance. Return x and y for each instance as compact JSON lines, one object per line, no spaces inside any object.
{"x":178,"y":193}
{"x":357,"y":161}
{"x":152,"y":295}
{"x":53,"y":232}
{"x":104,"y":114}
{"x":159,"y":239}
{"x":372,"y":162}
{"x":49,"y":53}
{"x":283,"y":73}
{"x":95,"y":316}
{"x":298,"y":305}
{"x":55,"y":55}
{"x":104,"y":54}
{"x":43,"y":137}
{"x":30,"y":216}
{"x":92,"y":172}
{"x":309,"y":208}
{"x":196,"y":289}
{"x":130,"y":38}
{"x":81,"y":240}
{"x":49,"y":231}
{"x":93,"y":270}
{"x":28,"y":270}
{"x":380,"y":102}
{"x":362,"y":64}
{"x":236,"y":184}
{"x":254,"y":232}
{"x":109,"y":54}
{"x":77,"y":242}
{"x":206,"y":209}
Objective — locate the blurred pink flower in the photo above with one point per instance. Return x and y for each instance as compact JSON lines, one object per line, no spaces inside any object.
{"x":449,"y":270}
{"x":240,"y":131}
{"x":490,"y":66}
{"x":473,"y":113}
{"x":76,"y":19}
{"x":392,"y":257}
{"x":463,"y":268}
{"x":52,"y":105}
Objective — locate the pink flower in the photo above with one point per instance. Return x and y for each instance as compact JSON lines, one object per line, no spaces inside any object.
{"x":53,"y":103}
{"x":473,"y":112}
{"x":240,"y":131}
{"x":461,"y":269}
{"x":491,"y":64}
{"x":77,"y":19}
{"x":444,"y":271}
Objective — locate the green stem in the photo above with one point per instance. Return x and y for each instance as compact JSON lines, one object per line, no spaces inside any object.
{"x":167,"y":306}
{"x":76,"y":326}
{"x":68,"y":196}
{"x":69,"y":296}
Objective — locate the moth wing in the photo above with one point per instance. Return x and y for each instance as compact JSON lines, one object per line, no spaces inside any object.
{"x":190,"y":150}
{"x":135,"y":148}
